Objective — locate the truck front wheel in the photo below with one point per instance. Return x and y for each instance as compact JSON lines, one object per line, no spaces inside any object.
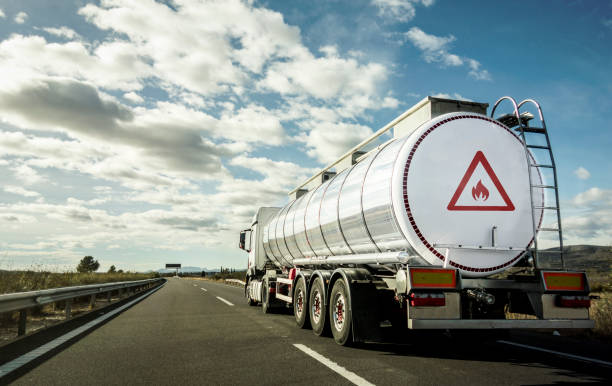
{"x":340,"y":316}
{"x":316,"y":303}
{"x":265,"y":297}
{"x":250,"y":300}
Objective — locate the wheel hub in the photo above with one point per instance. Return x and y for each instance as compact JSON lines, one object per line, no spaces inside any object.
{"x":339,"y":309}
{"x":316,"y":307}
{"x":300,"y":302}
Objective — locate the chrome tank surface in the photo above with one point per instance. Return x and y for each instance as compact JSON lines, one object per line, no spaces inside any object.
{"x":437,"y":193}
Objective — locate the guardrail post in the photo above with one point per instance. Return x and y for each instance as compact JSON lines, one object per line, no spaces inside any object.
{"x":108,"y":296}
{"x":92,"y":301}
{"x":68,"y":308}
{"x":21,"y":324}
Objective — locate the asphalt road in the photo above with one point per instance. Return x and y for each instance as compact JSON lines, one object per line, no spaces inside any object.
{"x":184,"y":335}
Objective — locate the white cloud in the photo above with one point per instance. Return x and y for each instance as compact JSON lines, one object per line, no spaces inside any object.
{"x":2,"y":14}
{"x":197,"y":39}
{"x":436,"y":50}
{"x":284,"y":175}
{"x":323,"y":77}
{"x":201,"y":66}
{"x":430,"y":44}
{"x":63,"y":31}
{"x":16,"y":218}
{"x":593,"y":195}
{"x":254,"y":124}
{"x":27,"y":175}
{"x":399,"y":10}
{"x":591,"y":222}
{"x":113,"y":64}
{"x":92,"y":202}
{"x":476,"y":72}
{"x":133,"y":97}
{"x":21,"y":17}
{"x":20,"y":191}
{"x":454,"y":95}
{"x":326,"y":141}
{"x":582,"y":173}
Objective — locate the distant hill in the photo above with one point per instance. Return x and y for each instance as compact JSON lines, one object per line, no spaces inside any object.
{"x":594,"y":259}
{"x":588,"y":257}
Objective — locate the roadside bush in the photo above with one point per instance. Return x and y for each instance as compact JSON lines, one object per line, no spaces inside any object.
{"x":32,"y":280}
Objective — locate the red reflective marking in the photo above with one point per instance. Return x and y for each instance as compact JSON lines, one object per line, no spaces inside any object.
{"x":581,"y":287}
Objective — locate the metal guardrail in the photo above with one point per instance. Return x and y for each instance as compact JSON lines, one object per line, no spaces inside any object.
{"x":21,"y":301}
{"x":235,"y":281}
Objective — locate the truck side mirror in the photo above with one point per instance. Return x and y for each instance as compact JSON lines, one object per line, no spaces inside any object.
{"x":245,"y":240}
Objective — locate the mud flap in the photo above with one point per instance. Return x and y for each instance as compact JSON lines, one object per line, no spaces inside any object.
{"x":366,"y":313}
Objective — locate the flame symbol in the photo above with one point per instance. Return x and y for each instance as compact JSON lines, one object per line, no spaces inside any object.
{"x":480,"y":192}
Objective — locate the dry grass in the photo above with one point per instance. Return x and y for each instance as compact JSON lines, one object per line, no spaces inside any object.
{"x":31,"y":280}
{"x":601,"y":313}
{"x":228,"y":275}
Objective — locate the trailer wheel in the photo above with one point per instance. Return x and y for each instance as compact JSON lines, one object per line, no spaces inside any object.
{"x":340,"y":316}
{"x":300,"y":303}
{"x":265,"y":297}
{"x":317,"y":311}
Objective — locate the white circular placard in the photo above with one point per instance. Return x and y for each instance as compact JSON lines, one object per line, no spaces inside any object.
{"x":456,"y":178}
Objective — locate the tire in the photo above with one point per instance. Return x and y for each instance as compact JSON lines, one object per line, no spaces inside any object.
{"x":265,"y":297}
{"x":300,"y":304}
{"x":250,"y":300}
{"x":340,"y":316}
{"x":316,"y":310}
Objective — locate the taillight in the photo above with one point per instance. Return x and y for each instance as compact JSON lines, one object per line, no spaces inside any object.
{"x":418,"y":299}
{"x":574,"y":301}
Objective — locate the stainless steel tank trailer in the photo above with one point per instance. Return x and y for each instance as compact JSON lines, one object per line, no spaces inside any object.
{"x":424,"y":231}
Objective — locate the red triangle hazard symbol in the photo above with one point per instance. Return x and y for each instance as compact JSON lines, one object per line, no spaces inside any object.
{"x":480,"y":191}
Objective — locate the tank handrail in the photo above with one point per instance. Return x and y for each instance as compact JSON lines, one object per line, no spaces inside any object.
{"x":536,"y":105}
{"x":518,"y":117}
{"x":365,"y":142}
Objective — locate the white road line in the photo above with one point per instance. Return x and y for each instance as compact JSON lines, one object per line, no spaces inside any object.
{"x":572,"y":356}
{"x":225,"y":301}
{"x":203,"y":289}
{"x":195,"y":285}
{"x":354,"y":378}
{"x":45,"y":348}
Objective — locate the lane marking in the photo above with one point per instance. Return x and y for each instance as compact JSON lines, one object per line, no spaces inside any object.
{"x":195,"y":285}
{"x":203,"y":289}
{"x":563,"y":354}
{"x":352,"y":377}
{"x":45,"y":348}
{"x":225,"y":301}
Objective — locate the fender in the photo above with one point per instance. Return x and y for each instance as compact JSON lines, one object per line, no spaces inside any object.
{"x":306,"y":275}
{"x":362,"y":297}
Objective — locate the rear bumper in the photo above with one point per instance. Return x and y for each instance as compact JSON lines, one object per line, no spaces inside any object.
{"x":477,"y":324}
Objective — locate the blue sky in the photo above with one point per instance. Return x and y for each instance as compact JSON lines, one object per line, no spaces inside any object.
{"x":145,"y":132}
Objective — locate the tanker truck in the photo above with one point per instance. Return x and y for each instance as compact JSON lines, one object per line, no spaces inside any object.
{"x":435,"y":228}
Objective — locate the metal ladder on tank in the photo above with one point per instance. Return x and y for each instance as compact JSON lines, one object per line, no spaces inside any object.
{"x":520,"y":123}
